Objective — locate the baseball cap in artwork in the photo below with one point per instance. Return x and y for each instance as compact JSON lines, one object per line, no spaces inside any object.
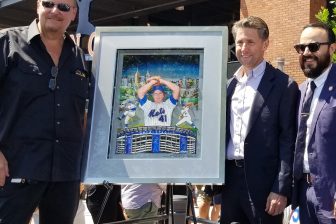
{"x":159,"y":87}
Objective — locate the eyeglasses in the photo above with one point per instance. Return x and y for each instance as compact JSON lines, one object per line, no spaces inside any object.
{"x":52,"y":81}
{"x":313,"y":47}
{"x":64,"y":7}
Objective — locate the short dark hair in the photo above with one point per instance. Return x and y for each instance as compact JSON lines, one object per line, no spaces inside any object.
{"x":330,"y":32}
{"x":254,"y":23}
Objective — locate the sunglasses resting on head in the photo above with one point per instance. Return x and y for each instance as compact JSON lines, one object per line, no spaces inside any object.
{"x":63,"y":7}
{"x":312,"y":47}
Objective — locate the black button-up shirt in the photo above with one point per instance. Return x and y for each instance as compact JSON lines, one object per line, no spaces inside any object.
{"x":41,"y":129}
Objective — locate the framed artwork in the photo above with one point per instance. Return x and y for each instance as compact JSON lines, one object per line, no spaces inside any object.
{"x":176,"y":139}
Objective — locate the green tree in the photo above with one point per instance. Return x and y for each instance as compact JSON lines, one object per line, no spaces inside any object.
{"x":329,"y":18}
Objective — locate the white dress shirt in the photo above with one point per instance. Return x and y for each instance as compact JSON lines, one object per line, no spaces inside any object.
{"x":319,"y":82}
{"x":241,"y":105}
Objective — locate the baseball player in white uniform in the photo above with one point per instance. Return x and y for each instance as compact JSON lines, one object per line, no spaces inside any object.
{"x":159,"y":112}
{"x":185,"y":117}
{"x":129,"y":113}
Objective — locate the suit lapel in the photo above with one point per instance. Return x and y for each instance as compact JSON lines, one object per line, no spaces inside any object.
{"x":329,"y":87}
{"x":265,"y":85}
{"x":231,"y":86}
{"x":232,"y":83}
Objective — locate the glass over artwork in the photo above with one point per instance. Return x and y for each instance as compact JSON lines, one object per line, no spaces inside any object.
{"x":150,"y":127}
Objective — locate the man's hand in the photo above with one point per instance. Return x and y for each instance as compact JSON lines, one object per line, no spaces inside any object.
{"x":3,"y":169}
{"x":154,"y":80}
{"x":276,"y":204}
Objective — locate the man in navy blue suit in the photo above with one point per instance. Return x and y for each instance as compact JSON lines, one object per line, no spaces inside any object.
{"x":261,"y":130}
{"x":315,"y":151}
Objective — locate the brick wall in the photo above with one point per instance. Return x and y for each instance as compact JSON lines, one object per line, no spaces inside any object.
{"x":285,"y":19}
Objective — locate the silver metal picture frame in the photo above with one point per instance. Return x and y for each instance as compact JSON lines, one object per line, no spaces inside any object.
{"x":120,"y":149}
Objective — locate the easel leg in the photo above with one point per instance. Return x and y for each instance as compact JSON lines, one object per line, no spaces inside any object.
{"x":107,"y":195}
{"x":169,"y":204}
{"x":191,"y":202}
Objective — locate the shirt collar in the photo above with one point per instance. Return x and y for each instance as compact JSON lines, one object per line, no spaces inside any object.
{"x":33,"y":30}
{"x":256,"y":72}
{"x":320,"y":80}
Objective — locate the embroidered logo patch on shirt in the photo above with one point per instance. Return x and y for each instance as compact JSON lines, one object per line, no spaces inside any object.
{"x":81,"y":73}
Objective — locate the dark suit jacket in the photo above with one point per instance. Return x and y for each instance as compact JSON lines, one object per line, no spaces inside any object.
{"x":322,"y":145}
{"x":270,"y":140}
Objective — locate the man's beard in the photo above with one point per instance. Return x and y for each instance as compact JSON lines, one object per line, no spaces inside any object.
{"x":321,"y":64}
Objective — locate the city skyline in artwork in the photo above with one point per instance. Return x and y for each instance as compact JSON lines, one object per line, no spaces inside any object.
{"x":174,"y":66}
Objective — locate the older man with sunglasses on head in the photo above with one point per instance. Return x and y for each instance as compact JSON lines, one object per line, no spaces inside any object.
{"x":44,"y":87}
{"x":315,"y":154}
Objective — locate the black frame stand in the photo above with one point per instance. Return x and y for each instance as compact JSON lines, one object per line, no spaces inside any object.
{"x":109,"y":188}
{"x":191,"y":203}
{"x":169,"y":204}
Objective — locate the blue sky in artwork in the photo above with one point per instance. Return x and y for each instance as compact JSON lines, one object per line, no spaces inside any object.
{"x":171,"y":69}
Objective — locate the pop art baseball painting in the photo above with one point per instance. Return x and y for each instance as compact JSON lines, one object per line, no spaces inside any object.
{"x":182,"y":69}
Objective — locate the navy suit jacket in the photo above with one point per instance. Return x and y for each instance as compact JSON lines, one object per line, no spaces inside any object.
{"x":322,"y":145}
{"x":270,"y":141}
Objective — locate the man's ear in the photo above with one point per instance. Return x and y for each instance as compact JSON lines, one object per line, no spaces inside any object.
{"x":266,"y":43}
{"x":332,"y":48}
{"x":74,"y":13}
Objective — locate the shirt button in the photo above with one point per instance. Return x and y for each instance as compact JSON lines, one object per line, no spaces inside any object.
{"x":57,"y":141}
{"x":58,"y":105}
{"x":58,"y":122}
{"x":57,"y":87}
